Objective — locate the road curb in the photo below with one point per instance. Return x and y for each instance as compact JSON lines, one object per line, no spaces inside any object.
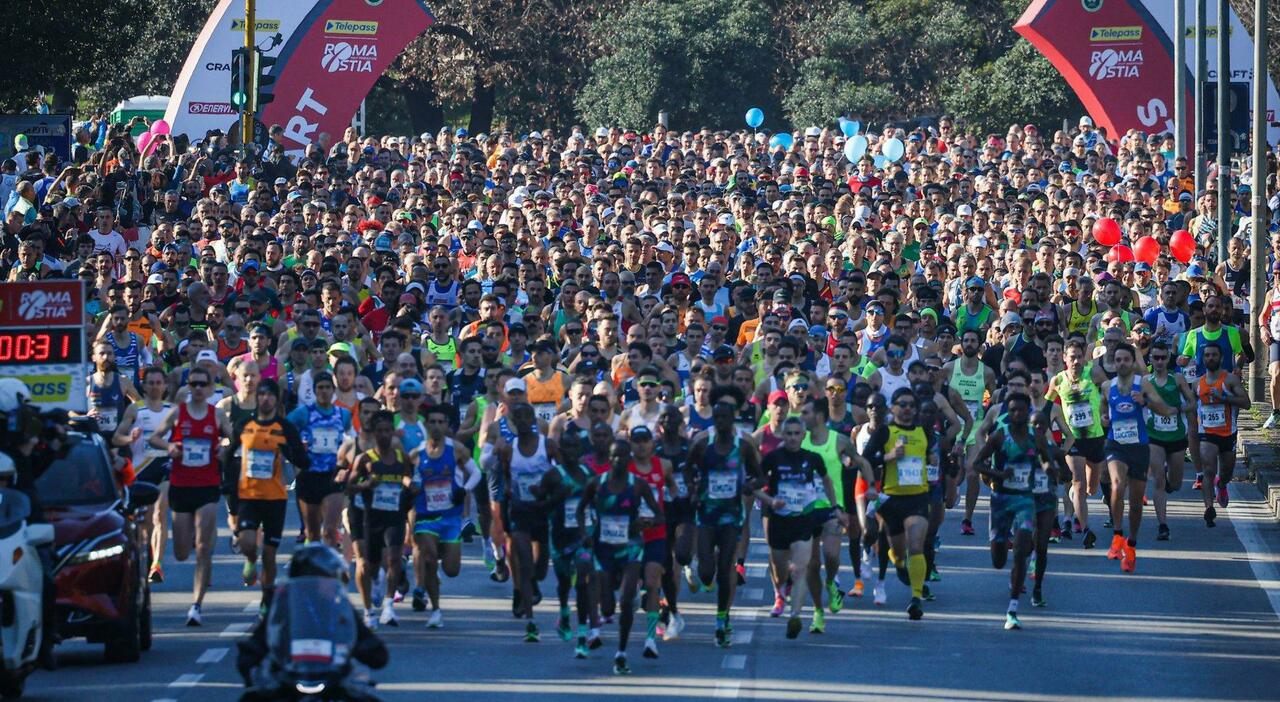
{"x":1260,"y":455}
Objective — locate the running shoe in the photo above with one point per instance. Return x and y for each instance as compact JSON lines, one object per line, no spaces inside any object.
{"x":1129,"y":562}
{"x":819,"y":624}
{"x":468,"y":531}
{"x":1011,"y":621}
{"x":500,"y":572}
{"x":966,"y":527}
{"x":650,"y":648}
{"x":370,"y":620}
{"x":793,"y":626}
{"x":915,"y":610}
{"x":537,"y":594}
{"x":436,"y":620}
{"x":388,"y":616}
{"x":1090,"y":538}
{"x":779,"y":604}
{"x":249,"y":574}
{"x":879,"y":594}
{"x":926,"y":594}
{"x":722,"y":638}
{"x":620,"y":664}
{"x":156,"y":576}
{"x":1037,"y":598}
{"x":1055,"y":534}
{"x":1075,"y":525}
{"x":934,"y":576}
{"x":675,"y":627}
{"x":1210,"y":514}
{"x":1272,"y":420}
{"x":594,"y":641}
{"x":1066,"y":530}
{"x":1162,"y":532}
{"x":235,"y":544}
{"x":692,"y":578}
{"x":563,"y":629}
{"x":1199,"y":483}
{"x":193,"y":616}
{"x":1223,"y":498}
{"x":857,"y":588}
{"x":580,"y":651}
{"x":531,"y":634}
{"x":741,"y":570}
{"x":1107,"y":523}
{"x":419,"y":600}
{"x":515,"y":604}
{"x":835,"y":598}
{"x":1117,"y":547}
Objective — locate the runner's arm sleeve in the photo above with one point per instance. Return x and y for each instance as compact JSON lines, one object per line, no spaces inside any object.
{"x":293,"y":448}
{"x":472,"y":472}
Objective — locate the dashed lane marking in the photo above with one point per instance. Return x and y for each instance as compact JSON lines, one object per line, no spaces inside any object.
{"x":234,"y":630}
{"x":213,"y":655}
{"x":734,"y":662}
{"x":187,"y":680}
{"x":727,"y":690}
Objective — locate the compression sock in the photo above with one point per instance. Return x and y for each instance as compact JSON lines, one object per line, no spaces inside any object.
{"x":917,"y":569}
{"x":722,"y":619}
{"x":651,"y":622}
{"x":1013,"y":606}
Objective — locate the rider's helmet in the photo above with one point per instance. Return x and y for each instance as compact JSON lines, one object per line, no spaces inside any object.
{"x":316,"y":560}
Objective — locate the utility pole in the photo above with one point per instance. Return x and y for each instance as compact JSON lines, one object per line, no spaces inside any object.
{"x":246,"y":113}
{"x":1258,"y":236}
{"x":1201,"y":65}
{"x":1180,"y":78}
{"x":1224,"y":128}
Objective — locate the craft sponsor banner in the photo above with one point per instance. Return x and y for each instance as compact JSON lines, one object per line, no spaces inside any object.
{"x":201,"y":97}
{"x":330,"y":63}
{"x":1118,"y":57}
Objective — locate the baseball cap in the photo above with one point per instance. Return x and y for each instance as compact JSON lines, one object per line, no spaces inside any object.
{"x":408,"y":299}
{"x":1142,"y":267}
{"x":774,"y":396}
{"x":975,"y":282}
{"x":155,"y":279}
{"x":680,"y":278}
{"x":797,"y":324}
{"x":641,"y":433}
{"x":207,"y":355}
{"x":964,"y":211}
{"x":341,"y":347}
{"x":722,"y":352}
{"x":1086,"y":121}
{"x":817,"y":330}
{"x":1010,"y":319}
{"x":515,"y":385}
{"x":411,"y":385}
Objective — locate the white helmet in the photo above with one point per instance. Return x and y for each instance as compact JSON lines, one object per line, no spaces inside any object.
{"x":7,"y":469}
{"x":13,"y":394}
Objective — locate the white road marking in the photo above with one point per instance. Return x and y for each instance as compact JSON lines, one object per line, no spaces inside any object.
{"x":741,"y":637}
{"x":213,"y":655}
{"x":727,"y":690}
{"x":187,"y":680}
{"x":1261,"y":560}
{"x":253,"y":607}
{"x":753,"y":593}
{"x":734,"y":662}
{"x":237,"y":629}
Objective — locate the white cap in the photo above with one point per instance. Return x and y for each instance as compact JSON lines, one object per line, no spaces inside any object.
{"x":515,"y":385}
{"x":797,"y":324}
{"x":155,"y":279}
{"x":207,"y":355}
{"x":726,"y":219}
{"x":602,"y":132}
{"x":1010,"y":319}
{"x":665,"y":247}
{"x":964,"y":211}
{"x":812,"y":132}
{"x":1085,"y":121}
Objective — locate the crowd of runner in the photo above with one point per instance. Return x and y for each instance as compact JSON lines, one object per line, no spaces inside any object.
{"x":596,"y":353}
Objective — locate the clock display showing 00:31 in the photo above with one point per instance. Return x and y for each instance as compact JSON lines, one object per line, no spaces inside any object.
{"x":22,"y":348}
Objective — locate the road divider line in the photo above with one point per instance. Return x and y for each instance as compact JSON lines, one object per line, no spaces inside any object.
{"x":253,"y":607}
{"x":187,"y":680}
{"x":237,"y":629}
{"x":736,"y":661}
{"x":753,"y":593}
{"x":213,"y":655}
{"x":1261,"y":561}
{"x":742,"y":637}
{"x":727,"y":690}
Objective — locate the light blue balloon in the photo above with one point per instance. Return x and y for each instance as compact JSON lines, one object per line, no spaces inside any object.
{"x":855,"y":148}
{"x":881,"y":161}
{"x":782,"y":140}
{"x":893,"y":149}
{"x":755,"y":117}
{"x":850,"y":128}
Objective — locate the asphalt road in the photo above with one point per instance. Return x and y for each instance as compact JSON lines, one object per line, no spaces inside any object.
{"x":1198,"y":621}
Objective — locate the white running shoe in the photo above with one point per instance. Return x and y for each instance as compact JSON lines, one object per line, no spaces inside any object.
{"x":675,"y":625}
{"x":880,"y":596}
{"x":650,"y":648}
{"x":379,"y":588}
{"x":1271,"y":421}
{"x":436,"y":620}
{"x":388,"y":615}
{"x":193,"y":616}
{"x":371,"y":620}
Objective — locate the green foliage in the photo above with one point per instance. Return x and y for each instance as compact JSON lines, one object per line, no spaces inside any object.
{"x":1019,"y":86}
{"x":704,"y":61}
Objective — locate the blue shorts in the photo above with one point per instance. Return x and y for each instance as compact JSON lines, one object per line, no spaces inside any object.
{"x":1009,"y":512}
{"x":447,"y":529}
{"x":656,"y":551}
{"x":612,"y":558}
{"x":1135,"y":457}
{"x":937,"y":492}
{"x":1046,"y":502}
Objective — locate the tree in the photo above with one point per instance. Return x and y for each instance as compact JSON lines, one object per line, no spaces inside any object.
{"x":704,"y":61}
{"x":1019,"y":86}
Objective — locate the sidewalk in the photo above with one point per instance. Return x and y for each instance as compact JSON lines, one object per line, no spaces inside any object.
{"x":1260,"y":454}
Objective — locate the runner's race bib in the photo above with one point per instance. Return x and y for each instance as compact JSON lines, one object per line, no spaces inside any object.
{"x":1125,"y":431}
{"x":614,"y":529}
{"x":1021,"y":479}
{"x":722,"y":485}
{"x":1080,"y":415}
{"x":1042,"y":483}
{"x":325,"y":441}
{"x":262,"y":464}
{"x":1213,"y":416}
{"x":911,"y":470}
{"x":386,"y":497}
{"x":196,"y":452}
{"x":438,"y":495}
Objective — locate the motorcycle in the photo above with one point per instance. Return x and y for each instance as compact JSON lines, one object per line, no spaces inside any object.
{"x":21,"y":591}
{"x":311,"y":644}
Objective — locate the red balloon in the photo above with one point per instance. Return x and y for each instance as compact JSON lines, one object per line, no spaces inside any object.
{"x":1147,"y":249}
{"x":1122,"y":253}
{"x":1106,"y":232}
{"x":1182,"y":245}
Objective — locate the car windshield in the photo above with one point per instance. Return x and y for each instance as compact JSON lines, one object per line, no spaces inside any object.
{"x":82,"y":477}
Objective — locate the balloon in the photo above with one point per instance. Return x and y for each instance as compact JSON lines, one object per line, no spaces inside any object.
{"x":1122,"y":253}
{"x":144,"y":141}
{"x":1147,"y":249}
{"x":1182,"y":245}
{"x":849,"y":128}
{"x":781,"y":140}
{"x":893,"y":149}
{"x":160,"y":127}
{"x":855,"y":148}
{"x":881,"y":161}
{"x":755,"y":117}
{"x":1106,"y":232}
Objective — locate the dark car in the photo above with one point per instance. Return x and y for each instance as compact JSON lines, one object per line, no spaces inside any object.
{"x":100,"y":562}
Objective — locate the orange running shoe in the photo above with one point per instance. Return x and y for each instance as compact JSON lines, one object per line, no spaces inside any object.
{"x":857,"y":588}
{"x":1117,"y":547}
{"x":1129,"y":562}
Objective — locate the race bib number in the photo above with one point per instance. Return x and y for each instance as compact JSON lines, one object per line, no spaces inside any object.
{"x":911,"y":470}
{"x":614,"y":529}
{"x":196,"y":452}
{"x":524,"y":485}
{"x":797,"y":496}
{"x":108,"y":421}
{"x":1213,"y":416}
{"x":262,"y":464}
{"x":1162,"y":423}
{"x":325,"y":441}
{"x":1042,"y":483}
{"x":571,"y":512}
{"x":1125,"y":431}
{"x":934,"y":472}
{"x":722,"y":485}
{"x":645,"y":512}
{"x":386,"y":497}
{"x":1080,"y":415}
{"x":682,"y":489}
{"x":1021,"y":479}
{"x":438,"y":495}
{"x":545,"y":411}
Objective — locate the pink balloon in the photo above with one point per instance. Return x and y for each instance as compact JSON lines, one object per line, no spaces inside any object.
{"x":1182,"y":245}
{"x":1106,"y":232}
{"x":160,"y":127}
{"x":144,"y":141}
{"x":1147,"y":250}
{"x":1122,"y":253}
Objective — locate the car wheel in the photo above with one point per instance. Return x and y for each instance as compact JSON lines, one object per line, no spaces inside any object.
{"x":144,"y":622}
{"x":11,"y":685}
